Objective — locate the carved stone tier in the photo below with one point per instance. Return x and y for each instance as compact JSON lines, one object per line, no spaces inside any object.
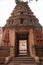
{"x":22,"y":16}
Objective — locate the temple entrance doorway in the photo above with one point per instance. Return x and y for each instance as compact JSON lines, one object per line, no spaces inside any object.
{"x":22,"y":46}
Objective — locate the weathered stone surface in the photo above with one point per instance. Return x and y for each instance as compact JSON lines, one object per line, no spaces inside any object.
{"x":22,"y":16}
{"x":22,"y":25}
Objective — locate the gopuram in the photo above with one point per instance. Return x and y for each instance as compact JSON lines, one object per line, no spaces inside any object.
{"x":22,"y":38}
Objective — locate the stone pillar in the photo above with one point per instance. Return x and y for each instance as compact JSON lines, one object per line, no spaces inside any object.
{"x":12,"y":42}
{"x":31,"y":42}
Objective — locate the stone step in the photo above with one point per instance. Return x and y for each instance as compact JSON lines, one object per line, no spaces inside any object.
{"x":4,"y":51}
{"x":22,"y":60}
{"x":24,"y":57}
{"x":28,"y":59}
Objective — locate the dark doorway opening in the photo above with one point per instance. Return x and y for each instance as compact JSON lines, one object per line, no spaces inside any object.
{"x":22,"y":46}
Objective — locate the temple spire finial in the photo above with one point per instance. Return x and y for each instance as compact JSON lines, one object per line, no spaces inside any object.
{"x":18,"y":1}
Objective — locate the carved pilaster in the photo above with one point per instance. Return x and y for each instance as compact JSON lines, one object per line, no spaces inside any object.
{"x":12,"y":42}
{"x":31,"y":43}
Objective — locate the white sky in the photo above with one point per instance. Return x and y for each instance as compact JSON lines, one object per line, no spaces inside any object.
{"x":7,"y":6}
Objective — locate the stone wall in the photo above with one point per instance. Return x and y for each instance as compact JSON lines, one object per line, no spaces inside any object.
{"x":0,"y":36}
{"x":38,"y":36}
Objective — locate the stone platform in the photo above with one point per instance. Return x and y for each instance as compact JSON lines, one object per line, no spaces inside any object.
{"x":22,"y":61}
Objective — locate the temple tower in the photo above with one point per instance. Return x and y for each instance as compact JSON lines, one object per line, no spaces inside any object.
{"x":22,"y":32}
